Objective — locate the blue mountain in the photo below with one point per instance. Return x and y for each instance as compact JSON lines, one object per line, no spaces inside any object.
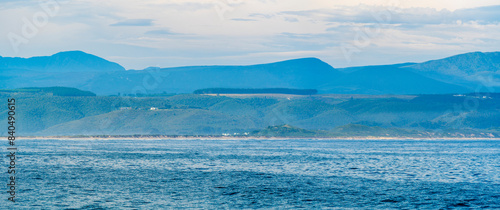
{"x":390,"y":79}
{"x":61,"y":69}
{"x":469,"y":69}
{"x":457,"y":74}
{"x":71,"y":61}
{"x":303,"y":73}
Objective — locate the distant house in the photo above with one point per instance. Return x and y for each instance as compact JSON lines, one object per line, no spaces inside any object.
{"x":153,"y":109}
{"x":125,"y":108}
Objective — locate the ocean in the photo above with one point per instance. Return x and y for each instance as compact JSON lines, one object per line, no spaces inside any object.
{"x":242,"y":174}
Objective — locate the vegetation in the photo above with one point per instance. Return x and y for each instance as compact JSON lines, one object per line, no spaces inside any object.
{"x":256,"y":91}
{"x":47,"y":112}
{"x":56,"y":91}
{"x":285,"y":131}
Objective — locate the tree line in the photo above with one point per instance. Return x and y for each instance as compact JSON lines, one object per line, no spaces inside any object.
{"x":256,"y":91}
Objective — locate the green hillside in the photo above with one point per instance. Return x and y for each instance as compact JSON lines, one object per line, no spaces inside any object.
{"x":56,"y":91}
{"x":256,"y":91}
{"x":45,"y":113}
{"x":287,"y":131}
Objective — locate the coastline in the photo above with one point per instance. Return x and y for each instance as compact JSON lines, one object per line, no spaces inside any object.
{"x":190,"y":138}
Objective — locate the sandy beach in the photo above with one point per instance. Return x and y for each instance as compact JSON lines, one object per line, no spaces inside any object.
{"x":238,"y":138}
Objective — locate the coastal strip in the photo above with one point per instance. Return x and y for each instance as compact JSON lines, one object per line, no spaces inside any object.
{"x":138,"y":137}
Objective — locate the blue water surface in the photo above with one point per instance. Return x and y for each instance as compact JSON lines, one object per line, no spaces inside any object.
{"x":236,"y":174}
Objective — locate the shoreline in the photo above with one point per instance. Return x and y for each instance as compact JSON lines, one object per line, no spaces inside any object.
{"x":191,"y":138}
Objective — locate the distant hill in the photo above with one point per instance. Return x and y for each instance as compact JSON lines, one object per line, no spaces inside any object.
{"x":70,"y":69}
{"x":456,"y":74}
{"x":55,"y":91}
{"x":463,"y":65}
{"x":39,"y":113}
{"x":256,"y":91}
{"x":305,"y":73}
{"x":389,"y":80}
{"x":308,"y":73}
{"x":472,"y":69}
{"x":71,"y":61}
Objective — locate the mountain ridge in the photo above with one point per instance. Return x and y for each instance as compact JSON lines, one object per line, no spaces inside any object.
{"x":75,"y":61}
{"x":467,"y":69}
{"x":454,"y":74}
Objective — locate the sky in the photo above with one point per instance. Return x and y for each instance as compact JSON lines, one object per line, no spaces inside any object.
{"x":168,"y":33}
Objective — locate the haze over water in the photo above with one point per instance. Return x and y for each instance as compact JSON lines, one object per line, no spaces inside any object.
{"x":258,"y":174}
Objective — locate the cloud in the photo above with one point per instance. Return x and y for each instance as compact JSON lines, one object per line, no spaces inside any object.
{"x":243,"y":19}
{"x":160,"y":32}
{"x":291,"y":19}
{"x":262,"y":15}
{"x":192,"y":32}
{"x":490,"y":14}
{"x":134,"y":22}
{"x":413,"y":17}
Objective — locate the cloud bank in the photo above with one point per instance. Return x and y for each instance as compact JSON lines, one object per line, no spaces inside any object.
{"x":138,"y":34}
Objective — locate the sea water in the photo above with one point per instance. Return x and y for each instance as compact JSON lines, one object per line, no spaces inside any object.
{"x":235,"y":174}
